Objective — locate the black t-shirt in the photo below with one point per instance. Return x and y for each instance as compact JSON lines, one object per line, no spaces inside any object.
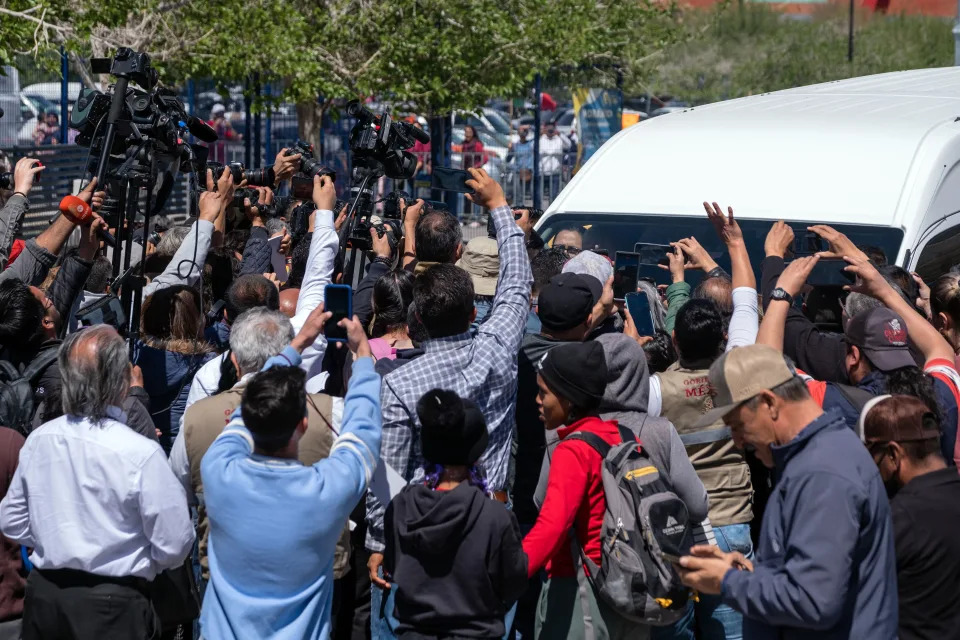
{"x":926,"y":524}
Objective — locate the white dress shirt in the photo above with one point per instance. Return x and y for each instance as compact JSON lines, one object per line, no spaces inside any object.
{"x":97,"y":498}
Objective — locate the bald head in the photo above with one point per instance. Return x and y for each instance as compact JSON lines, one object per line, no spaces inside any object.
{"x":718,"y":289}
{"x":288,"y":302}
{"x":94,"y":370}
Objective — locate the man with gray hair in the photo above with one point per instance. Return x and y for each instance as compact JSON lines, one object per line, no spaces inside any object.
{"x":256,"y":336}
{"x":111,"y":516}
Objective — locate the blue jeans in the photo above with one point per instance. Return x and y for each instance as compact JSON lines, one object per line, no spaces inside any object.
{"x":713,"y":619}
{"x":381,"y":627}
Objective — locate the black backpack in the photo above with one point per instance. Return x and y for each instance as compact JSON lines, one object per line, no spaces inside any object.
{"x":17,"y":408}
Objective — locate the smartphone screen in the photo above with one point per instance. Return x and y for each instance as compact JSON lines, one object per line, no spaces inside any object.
{"x":806,"y":243}
{"x":337,"y":299}
{"x":451,"y":180}
{"x":651,"y":253}
{"x":829,"y":272}
{"x":639,"y":307}
{"x":625,"y":274}
{"x":302,"y":188}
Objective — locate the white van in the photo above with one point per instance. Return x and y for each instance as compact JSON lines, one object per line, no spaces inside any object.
{"x":876,"y":157}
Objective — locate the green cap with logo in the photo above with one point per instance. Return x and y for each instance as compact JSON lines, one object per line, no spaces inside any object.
{"x":741,"y":374}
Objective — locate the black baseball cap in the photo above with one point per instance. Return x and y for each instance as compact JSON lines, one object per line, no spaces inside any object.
{"x":882,"y":336}
{"x":567,"y":300}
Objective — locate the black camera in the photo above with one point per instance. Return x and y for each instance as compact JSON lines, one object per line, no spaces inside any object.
{"x":390,"y":227}
{"x":6,"y":180}
{"x":381,"y":144}
{"x":309,"y":165}
{"x":391,"y":204}
{"x":263,"y":177}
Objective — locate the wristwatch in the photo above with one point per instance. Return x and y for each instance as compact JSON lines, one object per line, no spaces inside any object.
{"x":780,"y":294}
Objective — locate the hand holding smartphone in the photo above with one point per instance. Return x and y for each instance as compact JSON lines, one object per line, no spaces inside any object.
{"x":338,"y":300}
{"x":639,"y":307}
{"x":451,"y":180}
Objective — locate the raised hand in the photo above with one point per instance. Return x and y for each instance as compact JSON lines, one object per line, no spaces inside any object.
{"x":487,"y":192}
{"x":725,"y":225}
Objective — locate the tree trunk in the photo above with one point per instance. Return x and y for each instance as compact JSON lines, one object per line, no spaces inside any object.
{"x":309,"y":119}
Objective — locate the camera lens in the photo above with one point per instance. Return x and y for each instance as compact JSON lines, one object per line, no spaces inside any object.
{"x":264,"y":177}
{"x":312,"y":167}
{"x":6,"y":180}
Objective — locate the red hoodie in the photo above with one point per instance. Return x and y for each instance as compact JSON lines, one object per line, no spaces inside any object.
{"x":574,"y":498}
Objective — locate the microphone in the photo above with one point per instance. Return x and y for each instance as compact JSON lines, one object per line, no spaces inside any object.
{"x":201,"y":130}
{"x":79,"y":212}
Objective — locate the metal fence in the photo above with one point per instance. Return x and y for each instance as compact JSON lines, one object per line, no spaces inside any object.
{"x":37,"y":104}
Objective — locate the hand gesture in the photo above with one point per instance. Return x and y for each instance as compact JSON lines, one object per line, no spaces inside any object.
{"x":630,"y":328}
{"x":24,"y":174}
{"x":676,"y":261}
{"x":412,"y":215}
{"x":840,"y":245}
{"x":779,"y":240}
{"x":356,"y":337}
{"x":725,"y":226}
{"x":699,"y":258}
{"x":869,"y":281}
{"x":605,"y":306}
{"x":524,"y":222}
{"x":89,"y":241}
{"x":923,"y":302}
{"x":285,"y":166}
{"x":91,"y":197}
{"x":312,"y":328}
{"x":795,"y":275}
{"x":286,"y":245}
{"x":324,"y":193}
{"x":136,"y":376}
{"x":487,"y":192}
{"x":272,"y":277}
{"x":380,"y":246}
{"x":210,"y":204}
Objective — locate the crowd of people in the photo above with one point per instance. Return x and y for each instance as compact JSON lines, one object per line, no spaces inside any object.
{"x":492,"y":451}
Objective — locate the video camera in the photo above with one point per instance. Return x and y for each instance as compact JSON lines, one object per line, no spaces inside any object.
{"x":379,"y":142}
{"x":142,"y":137}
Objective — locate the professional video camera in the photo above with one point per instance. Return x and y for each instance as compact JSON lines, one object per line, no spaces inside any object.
{"x":379,"y":148}
{"x":142,"y":138}
{"x":380,"y":142}
{"x":137,"y":135}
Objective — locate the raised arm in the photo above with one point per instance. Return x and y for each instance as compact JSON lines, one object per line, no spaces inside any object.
{"x":508,"y":315}
{"x":324,"y":245}
{"x":774,"y":319}
{"x":922,"y":333}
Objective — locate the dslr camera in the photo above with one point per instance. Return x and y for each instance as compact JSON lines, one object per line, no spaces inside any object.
{"x":309,"y":165}
{"x":389,"y":224}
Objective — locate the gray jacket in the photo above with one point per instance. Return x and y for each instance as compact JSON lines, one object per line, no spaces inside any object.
{"x":625,"y":400}
{"x":32,"y":265}
{"x":11,"y":217}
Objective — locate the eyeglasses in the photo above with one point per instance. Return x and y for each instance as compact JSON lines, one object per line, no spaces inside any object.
{"x":568,"y":249}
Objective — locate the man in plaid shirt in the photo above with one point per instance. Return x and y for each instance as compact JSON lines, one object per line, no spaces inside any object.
{"x":481,"y":368}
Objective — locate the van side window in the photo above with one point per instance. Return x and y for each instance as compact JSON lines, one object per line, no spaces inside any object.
{"x":939,"y":254}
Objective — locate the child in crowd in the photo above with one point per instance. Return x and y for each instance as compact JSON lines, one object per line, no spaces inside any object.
{"x":453,"y":554}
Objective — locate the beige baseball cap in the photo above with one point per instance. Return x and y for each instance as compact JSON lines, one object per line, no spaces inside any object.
{"x":481,"y":259}
{"x":741,"y":374}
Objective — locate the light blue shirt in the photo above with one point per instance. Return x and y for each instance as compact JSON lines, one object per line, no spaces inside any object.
{"x":274,"y":523}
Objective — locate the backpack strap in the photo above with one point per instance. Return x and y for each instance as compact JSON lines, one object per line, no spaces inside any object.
{"x":597,"y":443}
{"x":625,"y":434}
{"x":854,"y":395}
{"x":43,"y":360}
{"x":705,"y":436}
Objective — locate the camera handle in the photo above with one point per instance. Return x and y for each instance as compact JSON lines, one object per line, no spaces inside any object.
{"x":113,"y":116}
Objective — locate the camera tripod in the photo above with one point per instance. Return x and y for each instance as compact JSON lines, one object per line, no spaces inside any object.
{"x":364,"y":177}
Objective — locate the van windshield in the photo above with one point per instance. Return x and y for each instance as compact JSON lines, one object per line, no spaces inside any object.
{"x":621,"y":232}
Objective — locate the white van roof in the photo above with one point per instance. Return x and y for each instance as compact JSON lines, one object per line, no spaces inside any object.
{"x":839,"y":152}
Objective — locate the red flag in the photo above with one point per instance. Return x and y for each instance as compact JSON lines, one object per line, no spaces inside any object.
{"x":547,"y":103}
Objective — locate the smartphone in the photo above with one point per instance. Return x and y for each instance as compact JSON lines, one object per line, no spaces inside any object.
{"x":639,"y":307}
{"x":451,"y":180}
{"x":625,"y":274}
{"x":829,"y":272}
{"x":807,"y":243}
{"x":338,"y":300}
{"x":302,"y":188}
{"x":669,"y":558}
{"x":651,"y":253}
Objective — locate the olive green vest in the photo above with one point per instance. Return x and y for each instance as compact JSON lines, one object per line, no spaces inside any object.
{"x":206,"y":419}
{"x":686,"y":397}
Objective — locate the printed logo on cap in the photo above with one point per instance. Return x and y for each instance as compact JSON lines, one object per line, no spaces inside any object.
{"x":895,"y":333}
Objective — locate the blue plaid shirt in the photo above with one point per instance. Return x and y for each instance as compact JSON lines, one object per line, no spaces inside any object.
{"x":481,"y":368}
